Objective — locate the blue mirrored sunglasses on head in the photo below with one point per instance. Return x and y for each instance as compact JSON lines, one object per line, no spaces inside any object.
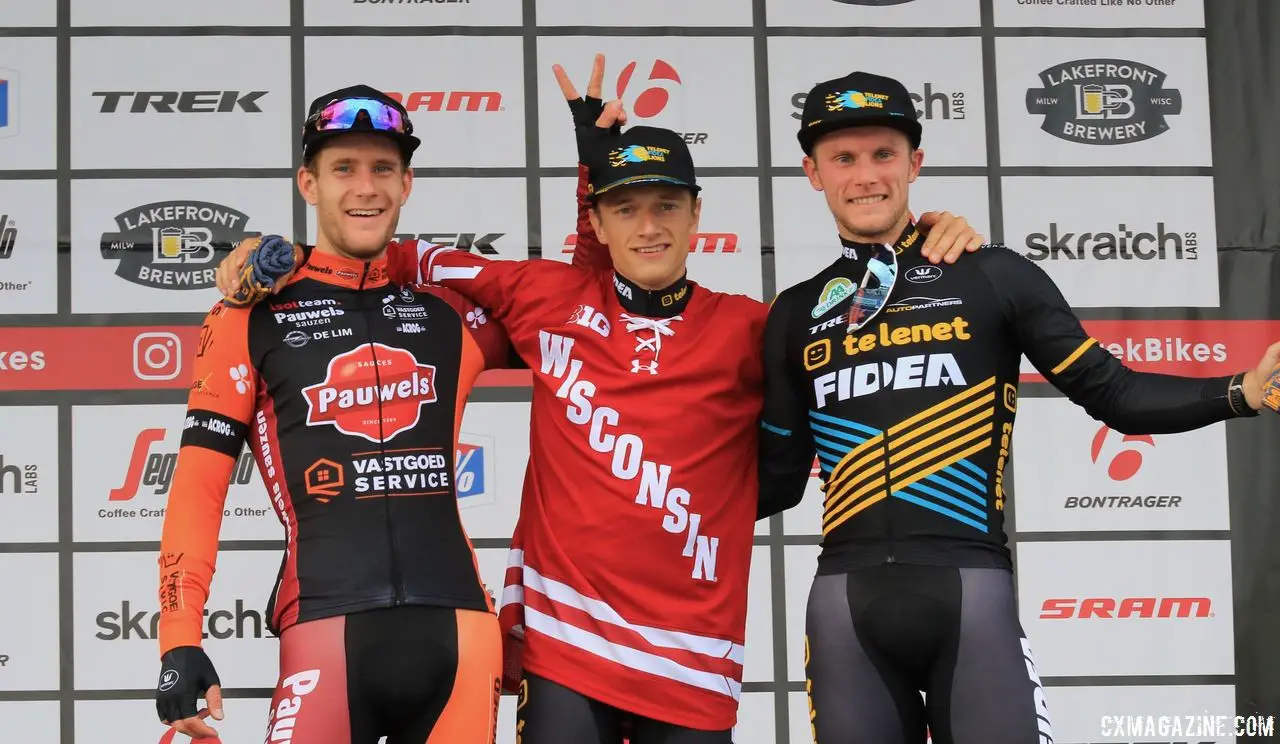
{"x":342,"y":115}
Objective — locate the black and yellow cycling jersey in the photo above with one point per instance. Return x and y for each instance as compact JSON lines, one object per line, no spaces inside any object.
{"x":911,"y":417}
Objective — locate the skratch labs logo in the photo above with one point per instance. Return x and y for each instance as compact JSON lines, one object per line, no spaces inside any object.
{"x":1104,"y":101}
{"x":174,"y":244}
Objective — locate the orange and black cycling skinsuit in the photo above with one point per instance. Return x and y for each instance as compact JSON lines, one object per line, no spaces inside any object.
{"x":350,"y":391}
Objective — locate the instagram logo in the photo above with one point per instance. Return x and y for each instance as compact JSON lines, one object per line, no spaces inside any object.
{"x":157,"y":356}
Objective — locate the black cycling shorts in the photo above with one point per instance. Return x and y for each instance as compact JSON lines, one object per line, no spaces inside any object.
{"x":876,"y":638}
{"x":550,"y":713}
{"x":416,"y":675}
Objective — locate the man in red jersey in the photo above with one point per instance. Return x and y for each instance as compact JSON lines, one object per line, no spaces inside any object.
{"x":628,"y":571}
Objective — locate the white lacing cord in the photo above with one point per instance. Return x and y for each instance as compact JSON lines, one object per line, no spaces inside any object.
{"x":660,"y":327}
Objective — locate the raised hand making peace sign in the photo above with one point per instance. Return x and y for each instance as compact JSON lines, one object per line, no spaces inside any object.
{"x":593,"y":120}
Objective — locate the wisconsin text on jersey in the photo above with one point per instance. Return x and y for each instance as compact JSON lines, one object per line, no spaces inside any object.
{"x":626,"y":449}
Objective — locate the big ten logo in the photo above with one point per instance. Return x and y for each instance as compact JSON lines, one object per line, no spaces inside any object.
{"x":653,"y":94}
{"x":154,"y":470}
{"x":589,"y":317}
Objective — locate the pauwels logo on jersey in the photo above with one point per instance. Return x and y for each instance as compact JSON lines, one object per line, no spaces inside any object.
{"x":373,"y":391}
{"x":604,"y":432}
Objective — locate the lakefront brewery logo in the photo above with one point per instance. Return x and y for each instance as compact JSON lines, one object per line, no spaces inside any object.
{"x":174,"y":244}
{"x":373,"y":391}
{"x":1104,"y":101}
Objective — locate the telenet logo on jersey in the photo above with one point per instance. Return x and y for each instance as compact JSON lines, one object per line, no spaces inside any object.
{"x":913,"y":371}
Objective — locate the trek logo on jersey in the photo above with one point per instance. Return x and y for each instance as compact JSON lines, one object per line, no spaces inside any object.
{"x":836,"y":291}
{"x":174,"y":244}
{"x":903,"y":373}
{"x":1103,"y":101}
{"x":1122,"y":244}
{"x":624,"y":451}
{"x":374,"y":391}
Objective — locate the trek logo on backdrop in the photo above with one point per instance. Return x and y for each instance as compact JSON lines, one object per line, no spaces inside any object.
{"x":174,"y":244}
{"x":481,"y":243}
{"x":1110,"y":608}
{"x":179,"y":101}
{"x":436,"y":101}
{"x":1103,"y":101}
{"x":931,"y":102}
{"x":1123,"y":243}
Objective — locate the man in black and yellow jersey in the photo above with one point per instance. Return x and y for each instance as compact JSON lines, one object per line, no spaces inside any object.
{"x":901,"y":376}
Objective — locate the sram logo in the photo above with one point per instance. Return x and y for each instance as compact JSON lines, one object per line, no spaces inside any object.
{"x":373,"y":391}
{"x":1110,"y":608}
{"x":700,"y":243}
{"x":449,"y":100}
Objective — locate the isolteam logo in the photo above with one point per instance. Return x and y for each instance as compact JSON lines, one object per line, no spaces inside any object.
{"x":143,"y":625}
{"x":699,"y":243}
{"x":174,"y":244}
{"x":1103,"y":101}
{"x":931,"y":103}
{"x":481,"y":243}
{"x":1110,"y":608}
{"x":1121,"y":244}
{"x":22,"y":479}
{"x":373,"y":391}
{"x":436,"y":101}
{"x":180,"y":101}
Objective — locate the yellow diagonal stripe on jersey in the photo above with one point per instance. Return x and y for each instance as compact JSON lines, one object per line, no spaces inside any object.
{"x":952,"y":402}
{"x":849,"y":506}
{"x":1082,"y":348}
{"x":849,"y":464}
{"x":985,"y":408}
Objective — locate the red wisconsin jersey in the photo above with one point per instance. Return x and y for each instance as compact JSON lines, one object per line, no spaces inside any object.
{"x":628,"y":572}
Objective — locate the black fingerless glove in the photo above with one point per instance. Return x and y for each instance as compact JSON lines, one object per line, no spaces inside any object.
{"x":585,"y":112}
{"x":186,"y":674}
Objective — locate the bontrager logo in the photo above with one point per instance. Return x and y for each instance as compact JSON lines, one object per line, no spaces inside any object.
{"x":1103,"y":101}
{"x":931,"y":102}
{"x":1123,"y":244}
{"x":128,"y":624}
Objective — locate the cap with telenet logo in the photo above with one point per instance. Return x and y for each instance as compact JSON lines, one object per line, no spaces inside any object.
{"x":640,"y":155}
{"x":858,"y":99}
{"x":365,"y":109}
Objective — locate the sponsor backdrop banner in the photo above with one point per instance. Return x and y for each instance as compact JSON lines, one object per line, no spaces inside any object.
{"x":1125,"y":147}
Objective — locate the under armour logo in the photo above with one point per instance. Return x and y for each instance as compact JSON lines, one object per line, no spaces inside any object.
{"x":637,"y":367}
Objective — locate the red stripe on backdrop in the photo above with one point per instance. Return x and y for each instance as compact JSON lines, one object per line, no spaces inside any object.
{"x":124,"y":358}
